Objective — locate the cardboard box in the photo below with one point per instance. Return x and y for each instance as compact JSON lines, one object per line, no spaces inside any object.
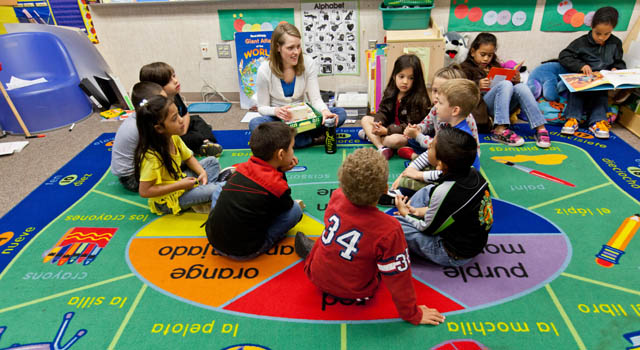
{"x":427,"y":44}
{"x":305,"y":118}
{"x":629,"y":120}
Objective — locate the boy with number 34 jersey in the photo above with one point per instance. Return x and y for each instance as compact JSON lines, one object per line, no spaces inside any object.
{"x":361,"y":244}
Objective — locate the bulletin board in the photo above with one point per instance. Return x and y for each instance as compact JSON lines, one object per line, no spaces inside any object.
{"x":255,"y":20}
{"x":491,"y":15}
{"x":576,"y":15}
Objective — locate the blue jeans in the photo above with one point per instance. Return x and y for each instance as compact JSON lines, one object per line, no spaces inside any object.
{"x":594,"y":102}
{"x":416,"y":146}
{"x":303,"y":139}
{"x":203,"y":193}
{"x":504,"y":97}
{"x":278,"y":229}
{"x":428,"y":247}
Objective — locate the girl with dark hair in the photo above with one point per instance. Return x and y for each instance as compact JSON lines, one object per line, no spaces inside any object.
{"x":158,"y":157}
{"x":199,"y":137}
{"x":505,"y":96}
{"x":594,"y":51}
{"x":405,"y":101}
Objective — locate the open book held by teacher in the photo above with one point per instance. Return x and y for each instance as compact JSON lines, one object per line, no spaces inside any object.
{"x":602,"y":80}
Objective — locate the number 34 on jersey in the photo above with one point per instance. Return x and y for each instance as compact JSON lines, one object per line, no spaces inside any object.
{"x":349,"y":242}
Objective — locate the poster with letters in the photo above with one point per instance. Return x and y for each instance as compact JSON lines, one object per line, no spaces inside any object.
{"x":330,"y":35}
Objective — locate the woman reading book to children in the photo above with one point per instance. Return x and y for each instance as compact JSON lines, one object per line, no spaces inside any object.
{"x":594,"y":51}
{"x":284,"y":79}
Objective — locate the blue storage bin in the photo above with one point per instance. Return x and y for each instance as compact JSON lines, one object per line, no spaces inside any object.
{"x":56,"y":103}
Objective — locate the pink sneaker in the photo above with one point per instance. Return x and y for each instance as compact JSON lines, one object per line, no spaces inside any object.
{"x":542,"y":139}
{"x":508,"y":137}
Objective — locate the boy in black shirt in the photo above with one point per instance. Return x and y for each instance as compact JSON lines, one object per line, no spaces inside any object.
{"x":449,"y":222}
{"x":255,"y":209}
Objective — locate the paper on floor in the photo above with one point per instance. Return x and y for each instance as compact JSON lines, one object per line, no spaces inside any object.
{"x":250,"y":115}
{"x":10,"y":147}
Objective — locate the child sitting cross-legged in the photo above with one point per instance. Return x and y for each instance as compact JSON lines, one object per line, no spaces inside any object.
{"x":255,"y":209}
{"x":159,"y":157}
{"x":448,"y":222}
{"x":362,"y":245}
{"x":455,"y":100}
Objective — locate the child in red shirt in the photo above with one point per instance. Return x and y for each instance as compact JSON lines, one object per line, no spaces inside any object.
{"x":360,"y":244}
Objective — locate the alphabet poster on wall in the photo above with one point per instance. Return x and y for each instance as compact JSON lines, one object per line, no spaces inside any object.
{"x":491,"y":15}
{"x":576,"y":15}
{"x":252,"y":48}
{"x":330,"y":35}
{"x":246,"y":20}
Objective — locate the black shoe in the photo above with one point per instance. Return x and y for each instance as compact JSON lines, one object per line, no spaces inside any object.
{"x":211,"y":150}
{"x":318,"y":140}
{"x":226,"y":173}
{"x":303,"y":245}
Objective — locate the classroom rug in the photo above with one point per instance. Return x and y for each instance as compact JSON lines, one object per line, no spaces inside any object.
{"x":85,"y":265}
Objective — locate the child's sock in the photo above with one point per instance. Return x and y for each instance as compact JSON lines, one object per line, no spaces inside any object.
{"x":406,"y":152}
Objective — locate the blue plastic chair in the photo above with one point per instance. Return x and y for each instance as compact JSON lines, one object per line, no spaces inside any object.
{"x":58,"y":102}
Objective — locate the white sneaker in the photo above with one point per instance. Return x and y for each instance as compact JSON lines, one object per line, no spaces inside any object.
{"x":362,"y":135}
{"x":570,"y":127}
{"x":600,"y":129}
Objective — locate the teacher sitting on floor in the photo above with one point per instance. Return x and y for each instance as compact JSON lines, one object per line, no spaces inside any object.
{"x":284,"y":79}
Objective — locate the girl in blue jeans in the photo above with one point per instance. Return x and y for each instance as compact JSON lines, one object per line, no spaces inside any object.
{"x":505,"y":96}
{"x":158,"y":157}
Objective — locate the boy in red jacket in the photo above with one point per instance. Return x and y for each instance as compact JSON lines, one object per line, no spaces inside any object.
{"x":360,"y":243}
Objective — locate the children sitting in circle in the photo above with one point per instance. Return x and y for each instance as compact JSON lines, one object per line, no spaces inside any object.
{"x":448,"y":222}
{"x":159,"y":156}
{"x":455,"y":99}
{"x":405,"y":101}
{"x":419,"y":136}
{"x":361,"y":245}
{"x":199,"y":137}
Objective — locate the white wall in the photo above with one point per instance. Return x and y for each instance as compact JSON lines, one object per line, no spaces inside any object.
{"x":132,"y":35}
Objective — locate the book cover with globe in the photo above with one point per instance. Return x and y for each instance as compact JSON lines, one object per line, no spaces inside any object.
{"x":252,"y":48}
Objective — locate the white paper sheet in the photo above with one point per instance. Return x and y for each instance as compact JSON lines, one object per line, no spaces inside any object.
{"x":11,"y":147}
{"x":250,"y":115}
{"x":16,"y":83}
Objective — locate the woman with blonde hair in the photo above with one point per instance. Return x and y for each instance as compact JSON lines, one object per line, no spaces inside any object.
{"x":284,"y":79}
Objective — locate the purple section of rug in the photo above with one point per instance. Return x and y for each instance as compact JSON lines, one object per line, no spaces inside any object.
{"x":510,"y":265}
